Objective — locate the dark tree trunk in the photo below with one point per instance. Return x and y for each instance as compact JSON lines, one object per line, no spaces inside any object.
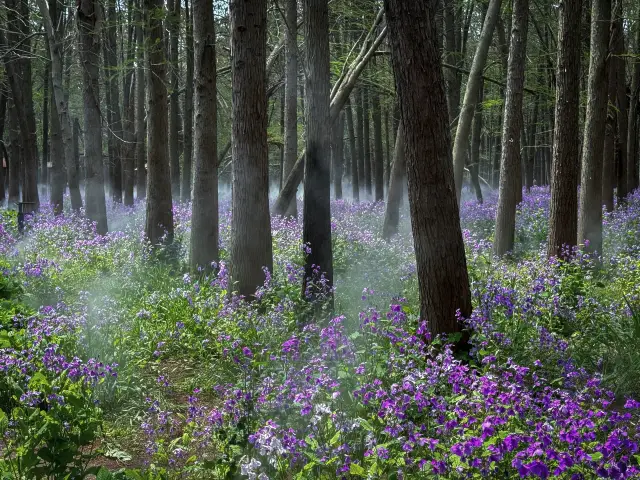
{"x":360,"y":136}
{"x":563,"y":217}
{"x":159,"y":214}
{"x":387,"y":132}
{"x":476,"y":135}
{"x":619,"y":64}
{"x":316,"y":230}
{"x":15,"y":155}
{"x":378,"y":158}
{"x":3,"y":151}
{"x":185,"y":190}
{"x":141,"y":130}
{"x":204,"y":219}
{"x":251,"y":248}
{"x":46,"y":100}
{"x":609,"y":156}
{"x":441,"y":264}
{"x":58,"y":159}
{"x":355,"y":185}
{"x":291,"y":97}
{"x":396,"y":189}
{"x":337,"y":155}
{"x":590,"y":211}
{"x":451,"y":57}
{"x":173,"y":27}
{"x":634,"y":130}
{"x":366,"y":139}
{"x":531,"y":148}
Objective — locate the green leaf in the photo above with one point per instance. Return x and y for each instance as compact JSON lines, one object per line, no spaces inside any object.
{"x":335,"y":439}
{"x":365,"y":424}
{"x":356,"y":469}
{"x":596,"y":456}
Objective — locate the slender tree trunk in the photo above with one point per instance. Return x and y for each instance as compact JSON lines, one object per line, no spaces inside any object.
{"x":159,"y":213}
{"x":366,"y":141}
{"x":3,"y":151}
{"x":185,"y":190}
{"x":634,"y":122}
{"x":251,"y":248}
{"x":618,"y":63}
{"x":291,"y":97}
{"x":609,"y":156}
{"x":441,"y":264}
{"x":563,"y":217}
{"x":476,"y":135}
{"x":337,"y":156}
{"x":204,"y":219}
{"x":46,"y":100}
{"x":590,"y":211}
{"x":471,"y":94}
{"x":451,"y":57}
{"x":128,"y":110}
{"x":360,"y":136}
{"x":173,"y":27}
{"x":355,"y":185}
{"x":531,"y":150}
{"x":378,"y":158}
{"x":396,"y":189}
{"x":141,"y":130}
{"x":14,"y":161}
{"x":387,"y":166}
{"x":510,"y":163}
{"x":316,"y":230}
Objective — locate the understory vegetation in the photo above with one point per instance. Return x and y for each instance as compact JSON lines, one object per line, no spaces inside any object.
{"x":116,"y":362}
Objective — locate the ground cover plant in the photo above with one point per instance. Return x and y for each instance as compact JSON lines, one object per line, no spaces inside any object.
{"x":118,"y":362}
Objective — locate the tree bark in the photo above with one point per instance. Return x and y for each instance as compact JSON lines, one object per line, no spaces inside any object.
{"x":3,"y":153}
{"x":15,"y":155}
{"x":141,"y":130}
{"x":618,"y":63}
{"x":46,"y":100}
{"x":461,"y":143}
{"x":173,"y":27}
{"x":355,"y":185}
{"x":476,"y":135}
{"x":531,"y":148}
{"x":159,"y":211}
{"x":440,"y":257}
{"x":291,"y":97}
{"x":563,"y":216}
{"x":396,"y":188}
{"x":378,"y":158}
{"x":510,"y":163}
{"x":634,"y":122}
{"x":366,"y":141}
{"x":609,"y":173}
{"x":185,"y":190}
{"x":453,"y":80}
{"x":360,"y":136}
{"x":337,"y":156}
{"x":251,"y":248}
{"x":204,"y":219}
{"x":590,"y":211}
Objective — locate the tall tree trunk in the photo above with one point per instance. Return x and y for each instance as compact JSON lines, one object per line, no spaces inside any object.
{"x":185,"y":190}
{"x":609,"y":156}
{"x":251,"y":247}
{"x":291,"y":97}
{"x":316,"y":231}
{"x":337,"y":156}
{"x":88,"y":23}
{"x":618,"y":63}
{"x":634,"y":122}
{"x":451,"y":57}
{"x":366,"y":141}
{"x":355,"y":185}
{"x":461,"y":143}
{"x":159,"y":213}
{"x":15,"y":155}
{"x":173,"y":27}
{"x":476,"y":135}
{"x":396,"y":188}
{"x":531,"y":150}
{"x":204,"y":219}
{"x":378,"y":158}
{"x":3,"y":151}
{"x":46,"y":100}
{"x":563,"y":217}
{"x":128,"y":110}
{"x":441,"y":264}
{"x":141,"y":130}
{"x":510,"y":163}
{"x":387,"y":132}
{"x":360,"y":136}
{"x":590,"y":211}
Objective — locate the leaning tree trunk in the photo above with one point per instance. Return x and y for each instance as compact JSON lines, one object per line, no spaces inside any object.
{"x":461,"y":143}
{"x":159,"y":213}
{"x":634,"y":122}
{"x":510,"y":163}
{"x":173,"y":27}
{"x":354,"y":156}
{"x":396,"y":188}
{"x":251,"y":247}
{"x":141,"y":129}
{"x":185,"y":189}
{"x":204,"y":218}
{"x":87,"y":18}
{"x":440,"y":257}
{"x":590,"y":211}
{"x":563,"y":217}
{"x":291,"y":97}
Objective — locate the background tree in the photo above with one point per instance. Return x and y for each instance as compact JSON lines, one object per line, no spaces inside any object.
{"x":291,"y":96}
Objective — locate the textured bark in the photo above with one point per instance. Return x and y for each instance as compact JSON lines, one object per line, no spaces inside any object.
{"x":510,"y":162}
{"x":387,"y":132}
{"x":14,"y":160}
{"x":353,"y":151}
{"x":378,"y":158}
{"x":531,"y":148}
{"x":187,"y":160}
{"x":316,"y":230}
{"x":3,"y":151}
{"x":634,"y":122}
{"x":46,"y":100}
{"x":451,"y":57}
{"x":618,"y":63}
{"x":396,"y":188}
{"x":173,"y":27}
{"x":337,"y":156}
{"x":476,"y":135}
{"x":251,"y":247}
{"x":89,"y":45}
{"x":204,"y":219}
{"x":461,"y":143}
{"x":590,"y":211}
{"x":141,"y":130}
{"x":609,"y":156}
{"x":360,"y":136}
{"x":563,"y":217}
{"x":291,"y":97}
{"x":441,"y":264}
{"x":366,"y":141}
{"x":159,"y":212}
{"x":128,"y":110}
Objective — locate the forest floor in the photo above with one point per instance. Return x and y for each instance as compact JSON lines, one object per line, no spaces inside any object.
{"x":117,"y":362}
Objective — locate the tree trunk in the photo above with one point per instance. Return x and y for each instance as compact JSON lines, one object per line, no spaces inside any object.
{"x":531,"y":148}
{"x":316,"y":231}
{"x":634,"y":130}
{"x":387,"y":132}
{"x":46,"y":100}
{"x":141,"y":130}
{"x":185,"y":190}
{"x":337,"y":156}
{"x":3,"y":152}
{"x":510,"y":162}
{"x":461,"y":142}
{"x":440,"y":257}
{"x":451,"y":57}
{"x":618,"y":63}
{"x":291,"y":97}
{"x":476,"y":135}
{"x":366,"y":141}
{"x":204,"y":219}
{"x":159,"y":214}
{"x":360,"y":136}
{"x":378,"y":158}
{"x":563,"y":216}
{"x":355,"y":186}
{"x":128,"y":110}
{"x":251,"y":248}
{"x":609,"y":156}
{"x":14,"y":161}
{"x":396,"y":188}
{"x":173,"y":27}
{"x":590,"y":211}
